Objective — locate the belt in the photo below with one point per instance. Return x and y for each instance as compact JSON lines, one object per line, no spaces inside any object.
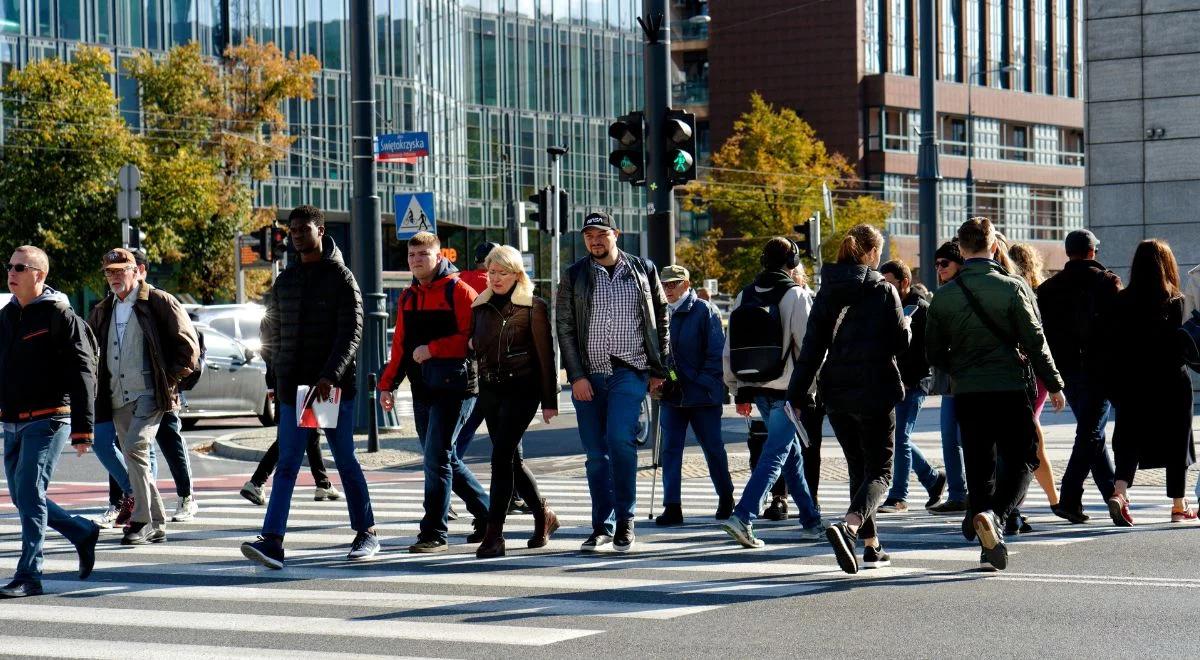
{"x":44,"y":412}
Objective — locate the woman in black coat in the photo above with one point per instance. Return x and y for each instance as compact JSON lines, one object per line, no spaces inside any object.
{"x":857,"y":321}
{"x":1149,"y":385}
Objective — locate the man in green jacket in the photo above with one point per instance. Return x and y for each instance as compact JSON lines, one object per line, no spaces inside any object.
{"x":980,"y":343}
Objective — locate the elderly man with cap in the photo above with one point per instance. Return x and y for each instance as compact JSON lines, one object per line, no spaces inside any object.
{"x":1071,"y":304}
{"x":613,"y":334}
{"x":147,"y":345}
{"x":693,"y":395}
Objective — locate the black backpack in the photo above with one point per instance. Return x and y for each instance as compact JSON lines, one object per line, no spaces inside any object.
{"x":189,"y":381}
{"x":759,"y":345}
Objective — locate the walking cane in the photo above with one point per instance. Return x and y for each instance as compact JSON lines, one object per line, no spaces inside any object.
{"x":655,"y":454}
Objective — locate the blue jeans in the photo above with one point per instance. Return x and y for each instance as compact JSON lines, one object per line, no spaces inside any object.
{"x":706,"y":422}
{"x":952,"y":453}
{"x":1090,"y":452}
{"x":608,"y":426}
{"x":439,"y":420}
{"x":31,"y":450}
{"x":293,"y":441}
{"x":908,"y":455}
{"x":781,"y":453}
{"x":462,"y":440}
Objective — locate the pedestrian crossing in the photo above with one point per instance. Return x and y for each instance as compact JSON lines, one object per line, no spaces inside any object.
{"x":195,"y":596}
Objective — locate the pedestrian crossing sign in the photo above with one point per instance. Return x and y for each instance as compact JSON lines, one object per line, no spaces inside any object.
{"x":414,"y":213}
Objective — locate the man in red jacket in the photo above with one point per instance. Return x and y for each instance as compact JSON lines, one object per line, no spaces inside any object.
{"x":433,"y":324}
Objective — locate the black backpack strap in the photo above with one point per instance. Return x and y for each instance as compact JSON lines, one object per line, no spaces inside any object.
{"x":995,"y":329}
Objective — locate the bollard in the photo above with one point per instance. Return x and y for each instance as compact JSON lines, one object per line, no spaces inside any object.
{"x":373,"y":415}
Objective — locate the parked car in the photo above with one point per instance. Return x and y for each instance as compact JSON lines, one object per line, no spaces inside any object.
{"x":238,"y":321}
{"x":234,"y":383}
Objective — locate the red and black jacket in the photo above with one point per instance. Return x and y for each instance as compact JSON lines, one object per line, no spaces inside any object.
{"x":438,"y":315}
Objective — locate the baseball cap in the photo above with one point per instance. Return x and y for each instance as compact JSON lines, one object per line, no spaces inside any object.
{"x":1080,"y":241}
{"x":598,"y":220}
{"x":483,"y":250}
{"x":118,"y":257}
{"x":674,"y":273}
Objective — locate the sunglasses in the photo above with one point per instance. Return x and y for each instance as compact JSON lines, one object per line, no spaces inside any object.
{"x":672,"y":285}
{"x":942,"y":263}
{"x":20,"y":268}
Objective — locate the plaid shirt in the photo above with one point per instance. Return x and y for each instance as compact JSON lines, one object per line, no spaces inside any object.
{"x":615,"y":328}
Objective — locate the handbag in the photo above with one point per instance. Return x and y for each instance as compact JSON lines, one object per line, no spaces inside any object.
{"x":446,"y":375}
{"x":1026,"y":364}
{"x":1190,"y":335}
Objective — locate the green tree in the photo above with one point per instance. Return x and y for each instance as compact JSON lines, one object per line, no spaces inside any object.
{"x":213,"y":129}
{"x":702,"y":258}
{"x":768,"y":177}
{"x":65,"y":142}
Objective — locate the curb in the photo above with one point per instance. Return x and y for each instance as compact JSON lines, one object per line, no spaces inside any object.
{"x":227,"y":446}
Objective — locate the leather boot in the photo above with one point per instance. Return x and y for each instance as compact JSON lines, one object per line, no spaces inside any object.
{"x":493,"y":542}
{"x":545,"y":523}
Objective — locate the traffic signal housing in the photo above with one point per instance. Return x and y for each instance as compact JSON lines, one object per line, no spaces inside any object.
{"x":541,"y":209}
{"x":279,"y":242}
{"x":629,"y":156}
{"x":137,"y":238}
{"x":804,"y":237}
{"x":679,"y":134}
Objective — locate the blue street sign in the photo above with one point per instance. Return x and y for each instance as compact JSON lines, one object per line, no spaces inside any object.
{"x":402,"y":147}
{"x":414,"y":213}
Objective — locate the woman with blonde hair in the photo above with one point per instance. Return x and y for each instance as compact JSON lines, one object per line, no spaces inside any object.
{"x":510,"y":333}
{"x":1027,"y":265}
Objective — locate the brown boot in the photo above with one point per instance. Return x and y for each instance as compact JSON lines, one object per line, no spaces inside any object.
{"x":493,"y":542}
{"x":545,"y":523}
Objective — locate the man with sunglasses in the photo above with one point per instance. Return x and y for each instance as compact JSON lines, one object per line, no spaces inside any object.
{"x":47,"y":389}
{"x":147,"y":345}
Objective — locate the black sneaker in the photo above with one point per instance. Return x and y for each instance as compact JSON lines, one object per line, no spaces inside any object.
{"x":672,"y":515}
{"x":623,"y":539}
{"x":876,"y":557}
{"x":426,"y":546}
{"x":1073,"y":514}
{"x":138,"y":534}
{"x":480,"y":526}
{"x":1017,"y":524}
{"x":948,"y":508}
{"x":842,"y":540}
{"x":597,"y":539}
{"x":267,"y":551}
{"x":939,"y":487}
{"x":987,"y":528}
{"x":365,"y":545}
{"x":724,"y":508}
{"x":778,"y":509}
{"x":451,"y":514}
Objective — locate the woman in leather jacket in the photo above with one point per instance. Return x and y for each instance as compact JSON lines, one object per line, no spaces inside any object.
{"x":510,"y":334}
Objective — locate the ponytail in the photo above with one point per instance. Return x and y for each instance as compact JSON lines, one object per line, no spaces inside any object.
{"x":859,"y":241}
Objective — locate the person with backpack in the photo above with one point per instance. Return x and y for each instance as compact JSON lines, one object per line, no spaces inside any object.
{"x":47,"y":395}
{"x":856,"y":331}
{"x":1148,"y":381}
{"x":767,"y":326}
{"x":694,"y":396}
{"x":1071,"y":303}
{"x":984,"y":331}
{"x":614,"y":336}
{"x":433,"y":327}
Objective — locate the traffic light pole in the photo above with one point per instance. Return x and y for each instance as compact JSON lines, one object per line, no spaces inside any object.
{"x":927,"y":159}
{"x":660,"y":220}
{"x":556,"y":154}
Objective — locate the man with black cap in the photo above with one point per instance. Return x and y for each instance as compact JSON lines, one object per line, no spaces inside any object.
{"x":476,"y":278}
{"x":613,"y":334}
{"x":1071,"y":304}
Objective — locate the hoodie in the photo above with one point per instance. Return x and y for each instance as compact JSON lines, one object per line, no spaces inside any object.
{"x":794,"y":309}
{"x":47,"y":364}
{"x":857,"y":363}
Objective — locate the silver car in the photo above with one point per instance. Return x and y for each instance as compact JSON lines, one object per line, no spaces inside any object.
{"x":238,"y":321}
{"x":234,"y":383}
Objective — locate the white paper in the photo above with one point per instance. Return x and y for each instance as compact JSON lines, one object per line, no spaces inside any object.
{"x":795,"y":419}
{"x":326,"y":411}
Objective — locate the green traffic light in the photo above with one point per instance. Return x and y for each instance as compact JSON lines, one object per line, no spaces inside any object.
{"x":627,"y":165}
{"x":682,"y":162}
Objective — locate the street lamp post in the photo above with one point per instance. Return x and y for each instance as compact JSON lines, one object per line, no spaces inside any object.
{"x":971,"y":133}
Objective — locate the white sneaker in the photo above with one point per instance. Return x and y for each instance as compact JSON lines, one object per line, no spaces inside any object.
{"x":186,"y":510}
{"x":107,"y":519}
{"x":326,"y":494}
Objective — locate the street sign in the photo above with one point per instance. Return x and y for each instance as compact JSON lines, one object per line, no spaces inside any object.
{"x":129,"y":198}
{"x":401,"y":147}
{"x":414,"y":213}
{"x":527,"y":262}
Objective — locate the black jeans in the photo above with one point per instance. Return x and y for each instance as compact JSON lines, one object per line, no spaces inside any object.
{"x":508,"y":411}
{"x":869,"y":442}
{"x":1090,"y":452}
{"x":999,"y":448}
{"x":316,"y":464}
{"x":813,"y":418}
{"x":1127,"y":467}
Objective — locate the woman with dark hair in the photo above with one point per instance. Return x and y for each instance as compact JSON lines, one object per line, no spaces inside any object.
{"x":855,"y":332}
{"x":1148,"y":382}
{"x":948,"y":261}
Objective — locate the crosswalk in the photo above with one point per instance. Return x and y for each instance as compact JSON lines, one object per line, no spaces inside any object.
{"x":195,"y":596}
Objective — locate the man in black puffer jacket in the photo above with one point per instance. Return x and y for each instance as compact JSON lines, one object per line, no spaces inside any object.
{"x":310,"y":334}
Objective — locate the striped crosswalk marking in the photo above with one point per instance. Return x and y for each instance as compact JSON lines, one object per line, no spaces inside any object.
{"x":551,"y":596}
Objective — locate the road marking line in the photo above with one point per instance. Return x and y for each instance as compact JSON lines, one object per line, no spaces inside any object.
{"x":58,"y":647}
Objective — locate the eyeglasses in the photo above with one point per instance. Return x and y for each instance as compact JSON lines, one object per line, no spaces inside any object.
{"x":497,"y":274}
{"x":20,"y":268}
{"x":672,"y":285}
{"x":111,"y":272}
{"x":942,"y":263}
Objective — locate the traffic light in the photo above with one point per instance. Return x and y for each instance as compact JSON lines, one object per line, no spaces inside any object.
{"x":279,"y":242}
{"x":804,"y":236}
{"x":541,"y":209}
{"x":137,"y":238}
{"x":679,"y":133}
{"x":629,"y":156}
{"x":263,"y":235}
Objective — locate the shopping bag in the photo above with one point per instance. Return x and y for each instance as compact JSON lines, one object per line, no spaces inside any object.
{"x":312,"y":413}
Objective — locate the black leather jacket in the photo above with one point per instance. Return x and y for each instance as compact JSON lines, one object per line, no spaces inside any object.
{"x":574,"y":307}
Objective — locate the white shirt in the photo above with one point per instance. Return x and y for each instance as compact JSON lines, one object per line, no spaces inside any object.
{"x":122,"y":311}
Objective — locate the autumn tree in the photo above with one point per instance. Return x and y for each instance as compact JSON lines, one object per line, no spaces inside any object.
{"x":768,"y":177}
{"x":701,"y":257}
{"x":64,"y":144}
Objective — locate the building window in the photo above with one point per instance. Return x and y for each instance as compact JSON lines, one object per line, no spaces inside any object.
{"x":953,"y":135}
{"x":70,"y":19}
{"x":975,"y":41}
{"x":952,"y":46}
{"x":998,"y":38}
{"x":1016,"y":142}
{"x":1020,"y":45}
{"x":873,"y":36}
{"x":10,"y":16}
{"x":900,"y":52}
{"x":1043,"y":46}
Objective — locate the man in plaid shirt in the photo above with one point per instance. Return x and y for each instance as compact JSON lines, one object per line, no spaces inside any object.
{"x":612,"y":331}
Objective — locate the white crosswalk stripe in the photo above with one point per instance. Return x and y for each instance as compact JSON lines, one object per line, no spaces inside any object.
{"x":199,"y":581}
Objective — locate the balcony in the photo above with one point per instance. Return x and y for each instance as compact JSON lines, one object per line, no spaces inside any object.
{"x":690,"y":93}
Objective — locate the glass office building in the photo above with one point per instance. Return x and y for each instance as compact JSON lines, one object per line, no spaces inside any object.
{"x":494,"y":82}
